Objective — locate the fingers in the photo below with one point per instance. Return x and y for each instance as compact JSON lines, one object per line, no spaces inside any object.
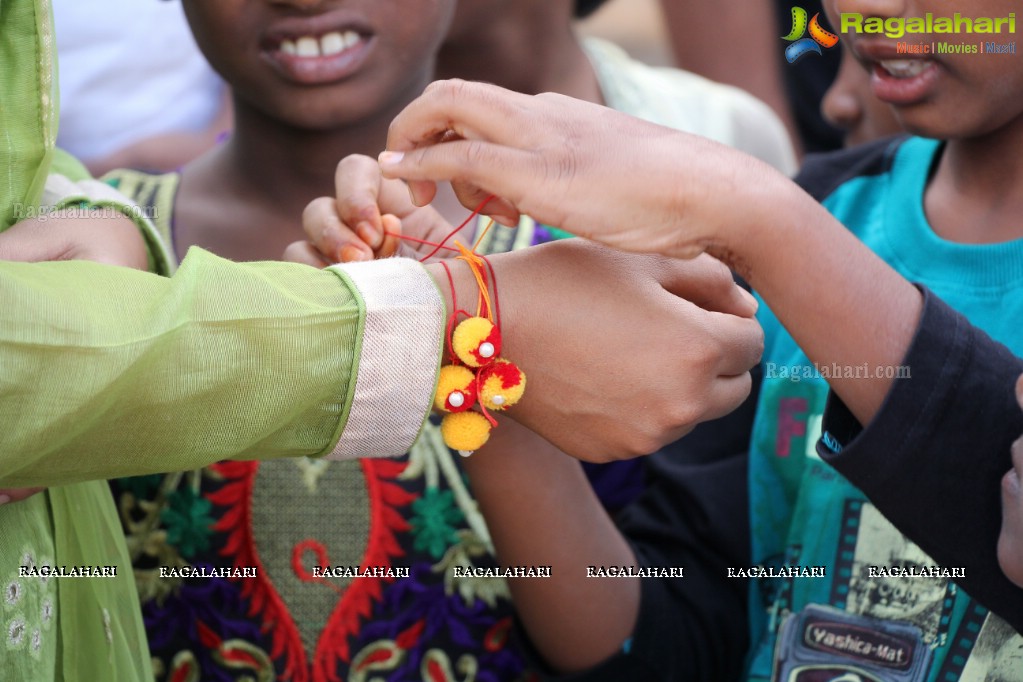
{"x":470,"y":110}
{"x":727,"y":394}
{"x":17,"y":494}
{"x":305,"y":253}
{"x":708,"y":283}
{"x":476,"y":169}
{"x":721,"y":344}
{"x":357,"y":188}
{"x":334,"y":240}
{"x":391,"y":243}
{"x":740,"y":342}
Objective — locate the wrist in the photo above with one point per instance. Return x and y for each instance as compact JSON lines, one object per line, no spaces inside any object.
{"x":457,"y":288}
{"x":750,"y":234}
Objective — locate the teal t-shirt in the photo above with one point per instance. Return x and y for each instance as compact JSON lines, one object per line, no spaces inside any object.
{"x":882,"y":611}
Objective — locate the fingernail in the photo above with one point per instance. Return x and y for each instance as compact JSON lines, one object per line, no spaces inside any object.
{"x":368,"y":234}
{"x":390,"y":158}
{"x":751,"y":298}
{"x":351,"y":253}
{"x":506,"y":220}
{"x":4,"y":499}
{"x":412,"y":195}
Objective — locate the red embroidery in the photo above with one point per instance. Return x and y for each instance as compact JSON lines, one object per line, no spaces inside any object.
{"x":355,"y":605}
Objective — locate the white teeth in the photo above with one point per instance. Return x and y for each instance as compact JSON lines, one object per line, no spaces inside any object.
{"x":904,"y":68}
{"x":308,"y":47}
{"x":332,"y":43}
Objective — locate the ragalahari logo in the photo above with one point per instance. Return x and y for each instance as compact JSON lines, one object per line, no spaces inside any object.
{"x":801,"y":46}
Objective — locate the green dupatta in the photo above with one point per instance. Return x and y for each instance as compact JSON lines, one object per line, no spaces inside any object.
{"x":100,"y":633}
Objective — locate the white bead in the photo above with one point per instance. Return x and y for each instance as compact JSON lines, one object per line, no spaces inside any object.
{"x":465,"y":453}
{"x":487,"y":350}
{"x":497,"y":400}
{"x":456,"y":399}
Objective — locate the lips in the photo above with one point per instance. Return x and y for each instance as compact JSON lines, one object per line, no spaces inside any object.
{"x":897,"y":78}
{"x":317,"y":50}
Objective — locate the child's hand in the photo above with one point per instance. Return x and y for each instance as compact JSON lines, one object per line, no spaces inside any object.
{"x":59,"y":236}
{"x":366,"y":219}
{"x":624,"y":353}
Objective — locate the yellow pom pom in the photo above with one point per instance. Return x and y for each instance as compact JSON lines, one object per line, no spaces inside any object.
{"x":465,"y":431}
{"x":501,"y":385}
{"x":456,"y":389}
{"x":476,"y":341}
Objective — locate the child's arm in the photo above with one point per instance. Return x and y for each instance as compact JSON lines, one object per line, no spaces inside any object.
{"x":541,"y":510}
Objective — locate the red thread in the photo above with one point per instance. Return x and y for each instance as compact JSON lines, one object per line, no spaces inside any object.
{"x":454,"y":312}
{"x":455,"y":231}
{"x":493,"y":282}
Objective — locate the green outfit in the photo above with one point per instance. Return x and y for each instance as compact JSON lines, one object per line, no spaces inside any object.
{"x":106,"y":372}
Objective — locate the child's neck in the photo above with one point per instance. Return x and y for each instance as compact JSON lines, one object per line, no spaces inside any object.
{"x":244,"y":199}
{"x":532,"y":49}
{"x":976,"y":194}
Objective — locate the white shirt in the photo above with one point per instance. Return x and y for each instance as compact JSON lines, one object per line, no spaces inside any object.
{"x":129,"y":69}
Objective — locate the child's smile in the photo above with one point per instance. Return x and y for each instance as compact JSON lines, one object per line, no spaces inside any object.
{"x":317,"y":50}
{"x":897,"y":78}
{"x":321,"y":64}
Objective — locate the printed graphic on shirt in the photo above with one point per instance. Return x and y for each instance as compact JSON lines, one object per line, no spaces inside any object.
{"x":924,"y":602}
{"x":997,"y":655}
{"x":828,"y":645}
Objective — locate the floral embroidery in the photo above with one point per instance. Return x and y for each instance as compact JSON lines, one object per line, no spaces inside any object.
{"x":45,"y":579}
{"x":46,"y":612}
{"x":37,"y":642}
{"x":188,"y":522}
{"x":423,"y":514}
{"x":12,"y":593}
{"x":16,"y":633}
{"x":27,"y":559}
{"x":434,"y":521}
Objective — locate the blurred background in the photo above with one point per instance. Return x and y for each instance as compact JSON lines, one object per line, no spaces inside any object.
{"x":636,"y":25}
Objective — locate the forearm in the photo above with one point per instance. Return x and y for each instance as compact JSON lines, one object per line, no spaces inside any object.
{"x":541,"y":511}
{"x":842,"y":304}
{"x":108,"y":372}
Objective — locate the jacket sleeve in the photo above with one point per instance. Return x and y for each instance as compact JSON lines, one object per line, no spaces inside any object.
{"x":108,"y":372}
{"x":933,"y":457}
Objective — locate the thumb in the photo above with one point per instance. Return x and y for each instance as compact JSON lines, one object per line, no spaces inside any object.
{"x":708,"y":283}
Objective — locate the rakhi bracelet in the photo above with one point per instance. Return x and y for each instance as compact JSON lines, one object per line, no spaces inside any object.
{"x":477,"y":374}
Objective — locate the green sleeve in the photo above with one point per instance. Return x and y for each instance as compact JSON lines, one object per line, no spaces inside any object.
{"x":108,"y":372}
